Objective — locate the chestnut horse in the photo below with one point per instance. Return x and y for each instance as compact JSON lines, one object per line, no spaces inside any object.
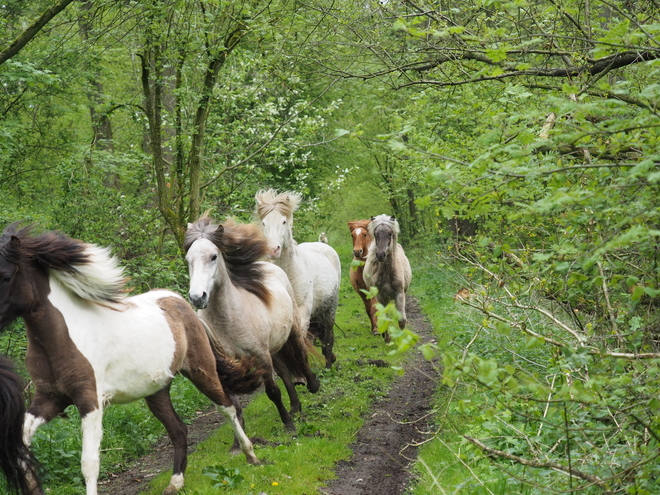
{"x":90,"y":345}
{"x":387,"y":267}
{"x":361,"y":240}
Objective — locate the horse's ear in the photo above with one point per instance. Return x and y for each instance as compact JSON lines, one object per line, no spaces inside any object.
{"x":14,"y":248}
{"x":373,"y":218}
{"x":189,"y":225}
{"x":220,"y":229}
{"x":392,"y":218}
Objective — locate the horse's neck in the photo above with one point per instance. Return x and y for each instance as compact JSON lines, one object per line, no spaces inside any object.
{"x":48,"y":340}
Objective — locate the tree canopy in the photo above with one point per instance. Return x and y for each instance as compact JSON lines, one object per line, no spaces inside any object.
{"x":519,"y":139}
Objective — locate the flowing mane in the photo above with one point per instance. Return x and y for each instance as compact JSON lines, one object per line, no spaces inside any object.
{"x":269,"y":200}
{"x":383,"y":220}
{"x":241,"y":245}
{"x":87,"y":270}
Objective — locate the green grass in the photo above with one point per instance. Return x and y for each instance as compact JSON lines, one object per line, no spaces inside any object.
{"x":447,"y":464}
{"x":327,"y":426}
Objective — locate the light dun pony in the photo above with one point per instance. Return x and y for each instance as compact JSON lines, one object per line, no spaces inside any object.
{"x":387,"y":267}
{"x":313,"y":267}
{"x":248,"y":304}
{"x":361,"y":240}
{"x":90,"y":345}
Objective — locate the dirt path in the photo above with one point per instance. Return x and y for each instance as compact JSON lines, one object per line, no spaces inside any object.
{"x":382,"y":453}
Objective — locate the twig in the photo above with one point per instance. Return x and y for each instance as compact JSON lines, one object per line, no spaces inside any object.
{"x":536,"y":464}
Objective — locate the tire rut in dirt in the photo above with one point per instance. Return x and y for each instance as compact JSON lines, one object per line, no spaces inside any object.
{"x":382,"y":455}
{"x":386,"y":444}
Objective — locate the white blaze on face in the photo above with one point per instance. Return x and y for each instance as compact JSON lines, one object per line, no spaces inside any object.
{"x":358,"y":231}
{"x":202,"y":258}
{"x":276,"y":229}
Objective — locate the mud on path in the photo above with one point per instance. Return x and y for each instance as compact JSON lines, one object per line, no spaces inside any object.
{"x":385,"y":446}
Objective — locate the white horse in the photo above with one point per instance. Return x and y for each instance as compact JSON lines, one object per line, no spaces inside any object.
{"x":249,"y":305}
{"x":90,"y":345}
{"x":387,"y":268}
{"x":313,"y":267}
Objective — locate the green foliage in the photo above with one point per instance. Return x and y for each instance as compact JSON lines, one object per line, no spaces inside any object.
{"x":223,"y":477}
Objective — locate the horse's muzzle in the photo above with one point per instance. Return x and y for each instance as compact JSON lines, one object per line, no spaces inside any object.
{"x":200,"y":302}
{"x":381,"y":257}
{"x":275,"y":252}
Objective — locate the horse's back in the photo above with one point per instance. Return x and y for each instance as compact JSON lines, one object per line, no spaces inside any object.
{"x":323,"y":263}
{"x":326,"y":250}
{"x":405,"y":268}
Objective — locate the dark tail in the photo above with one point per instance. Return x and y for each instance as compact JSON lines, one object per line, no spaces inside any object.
{"x":238,"y":376}
{"x":16,"y":460}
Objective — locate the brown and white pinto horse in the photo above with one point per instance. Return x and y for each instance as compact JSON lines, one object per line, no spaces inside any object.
{"x":91,"y":345}
{"x":361,"y":240}
{"x":387,"y":268}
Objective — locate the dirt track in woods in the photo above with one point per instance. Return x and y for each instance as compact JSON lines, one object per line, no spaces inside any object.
{"x":382,"y":454}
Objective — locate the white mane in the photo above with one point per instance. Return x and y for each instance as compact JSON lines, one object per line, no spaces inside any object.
{"x":383,"y":220}
{"x":99,"y":280}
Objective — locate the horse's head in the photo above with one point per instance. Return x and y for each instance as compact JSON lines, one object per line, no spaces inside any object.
{"x":17,"y":294}
{"x":276,"y":214}
{"x":203,"y":258}
{"x":361,"y":237}
{"x":385,"y":230}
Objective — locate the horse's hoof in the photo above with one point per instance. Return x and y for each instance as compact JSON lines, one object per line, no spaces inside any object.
{"x":299,"y":380}
{"x":291,"y":428}
{"x":314,"y":385}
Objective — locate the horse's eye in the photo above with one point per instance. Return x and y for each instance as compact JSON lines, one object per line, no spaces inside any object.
{"x":5,"y":280}
{"x":283,"y":222}
{"x":214,"y":257}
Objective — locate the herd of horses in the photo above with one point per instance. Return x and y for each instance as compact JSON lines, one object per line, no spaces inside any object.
{"x":90,"y":344}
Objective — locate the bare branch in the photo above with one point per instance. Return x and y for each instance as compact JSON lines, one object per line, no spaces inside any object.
{"x":32,"y":30}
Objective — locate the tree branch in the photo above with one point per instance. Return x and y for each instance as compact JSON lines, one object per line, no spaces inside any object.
{"x":538,"y":464}
{"x":32,"y":30}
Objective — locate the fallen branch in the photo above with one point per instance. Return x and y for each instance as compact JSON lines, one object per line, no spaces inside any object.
{"x":538,"y":464}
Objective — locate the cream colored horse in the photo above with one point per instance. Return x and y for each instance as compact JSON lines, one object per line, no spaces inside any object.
{"x":313,"y":267}
{"x":387,"y":268}
{"x":249,"y":305}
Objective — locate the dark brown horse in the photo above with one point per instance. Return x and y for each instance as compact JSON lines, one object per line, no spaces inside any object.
{"x":90,"y":345}
{"x":16,"y":460}
{"x":361,"y":240}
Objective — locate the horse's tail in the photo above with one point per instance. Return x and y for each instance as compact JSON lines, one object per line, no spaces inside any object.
{"x":16,"y":461}
{"x":238,"y":376}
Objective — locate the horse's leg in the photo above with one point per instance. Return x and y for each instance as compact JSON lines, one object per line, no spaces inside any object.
{"x":42,"y":409}
{"x":160,"y":404}
{"x":92,"y":433}
{"x":401,"y":308}
{"x":285,"y":375}
{"x":236,"y":402}
{"x":275,"y":395}
{"x":201,"y":370}
{"x":370,"y":306}
{"x":328,"y":336}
